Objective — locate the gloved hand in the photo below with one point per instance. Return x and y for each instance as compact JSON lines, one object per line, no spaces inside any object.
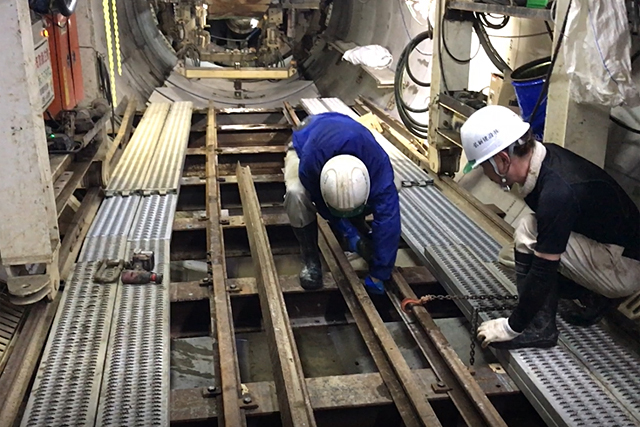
{"x":374,"y":285}
{"x":353,"y":241}
{"x":496,"y":330}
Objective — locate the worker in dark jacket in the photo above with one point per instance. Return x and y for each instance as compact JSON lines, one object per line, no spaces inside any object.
{"x":582,"y":242}
{"x":335,"y":167}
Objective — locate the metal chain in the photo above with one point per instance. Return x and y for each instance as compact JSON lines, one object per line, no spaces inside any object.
{"x":475,"y":315}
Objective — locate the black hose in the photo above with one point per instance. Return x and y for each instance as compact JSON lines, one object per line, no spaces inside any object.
{"x":486,"y":44}
{"x":404,"y":111}
{"x":623,"y":125}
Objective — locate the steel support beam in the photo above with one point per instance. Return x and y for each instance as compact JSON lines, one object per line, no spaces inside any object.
{"x":293,"y":397}
{"x":221,"y":320}
{"x":467,"y":396}
{"x":407,"y":394}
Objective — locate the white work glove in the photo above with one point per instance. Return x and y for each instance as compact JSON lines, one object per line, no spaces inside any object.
{"x":496,"y":330}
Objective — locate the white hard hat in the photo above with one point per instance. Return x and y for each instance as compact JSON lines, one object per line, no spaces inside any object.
{"x":489,"y":131}
{"x":344,"y":183}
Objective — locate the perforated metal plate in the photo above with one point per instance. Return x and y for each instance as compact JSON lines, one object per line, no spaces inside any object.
{"x":462,"y":256}
{"x":65,"y":392}
{"x":130,"y":173}
{"x":168,"y":159}
{"x":135,"y":389}
{"x":107,"y":237}
{"x":154,"y":219}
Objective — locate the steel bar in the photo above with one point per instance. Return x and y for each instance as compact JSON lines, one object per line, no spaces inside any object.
{"x":293,"y":397}
{"x":291,"y":115}
{"x":410,"y":399}
{"x":476,"y":409}
{"x":220,"y":306}
{"x":290,"y":284}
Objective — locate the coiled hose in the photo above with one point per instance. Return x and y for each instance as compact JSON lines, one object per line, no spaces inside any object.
{"x":404,"y":110}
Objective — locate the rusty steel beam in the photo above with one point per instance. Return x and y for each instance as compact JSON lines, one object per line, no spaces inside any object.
{"x":291,"y":115}
{"x":221,"y":319}
{"x":293,"y":397}
{"x":468,"y":397}
{"x":407,"y":395}
{"x":336,"y":392}
{"x":290,"y":284}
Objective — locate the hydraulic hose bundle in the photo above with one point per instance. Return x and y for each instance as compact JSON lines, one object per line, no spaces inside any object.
{"x":404,"y":110}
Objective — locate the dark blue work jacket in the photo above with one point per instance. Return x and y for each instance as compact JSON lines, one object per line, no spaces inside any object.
{"x":331,"y":134}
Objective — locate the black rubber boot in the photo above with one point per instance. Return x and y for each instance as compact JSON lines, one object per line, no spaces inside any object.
{"x":311,"y":273}
{"x":542,"y":332}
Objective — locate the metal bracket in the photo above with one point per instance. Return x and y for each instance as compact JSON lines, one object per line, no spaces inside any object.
{"x":440,"y":387}
{"x":421,"y":183}
{"x":246,"y":400}
{"x":211,"y":391}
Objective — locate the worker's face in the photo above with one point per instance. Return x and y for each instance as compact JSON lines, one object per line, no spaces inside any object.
{"x":503,"y":163}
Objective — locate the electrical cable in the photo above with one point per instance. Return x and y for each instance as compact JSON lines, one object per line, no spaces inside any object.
{"x":623,"y":125}
{"x":521,"y":36}
{"x":554,"y":57}
{"x":486,"y":44}
{"x":406,"y":29}
{"x":485,"y":22}
{"x":446,"y":48}
{"x":404,"y":110}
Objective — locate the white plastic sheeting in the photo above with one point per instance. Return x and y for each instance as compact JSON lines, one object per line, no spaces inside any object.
{"x":597,"y":53}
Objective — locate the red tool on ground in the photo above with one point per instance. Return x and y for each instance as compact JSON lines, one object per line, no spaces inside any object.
{"x":138,"y":270}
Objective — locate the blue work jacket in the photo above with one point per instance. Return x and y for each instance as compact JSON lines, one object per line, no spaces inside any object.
{"x":331,"y":134}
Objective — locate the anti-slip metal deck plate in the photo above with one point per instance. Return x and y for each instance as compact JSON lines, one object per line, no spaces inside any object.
{"x":107,"y":237}
{"x":131,"y":171}
{"x":556,"y":381}
{"x":168,"y":160}
{"x":67,"y":385}
{"x":135,"y":388}
{"x":154,"y":219}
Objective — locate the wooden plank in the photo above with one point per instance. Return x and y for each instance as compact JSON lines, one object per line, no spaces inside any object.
{"x":188,"y":291}
{"x":335,"y":392}
{"x":290,"y":284}
{"x":78,"y":229}
{"x":220,"y":306}
{"x":369,"y":322}
{"x":124,"y":132}
{"x":196,"y":151}
{"x":189,"y":224}
{"x":291,"y":389}
{"x":255,"y":127}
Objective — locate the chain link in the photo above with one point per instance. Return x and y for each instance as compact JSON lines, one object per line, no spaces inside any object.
{"x":476,"y":312}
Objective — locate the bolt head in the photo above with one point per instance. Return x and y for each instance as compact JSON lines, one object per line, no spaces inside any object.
{"x":233,"y":286}
{"x":441,"y":384}
{"x":212,"y":389}
{"x":247,"y":399}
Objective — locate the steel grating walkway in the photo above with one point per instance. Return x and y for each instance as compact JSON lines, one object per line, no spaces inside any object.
{"x":590,"y":379}
{"x":106,"y":362}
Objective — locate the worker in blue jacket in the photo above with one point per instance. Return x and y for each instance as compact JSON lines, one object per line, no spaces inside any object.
{"x":335,"y":167}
